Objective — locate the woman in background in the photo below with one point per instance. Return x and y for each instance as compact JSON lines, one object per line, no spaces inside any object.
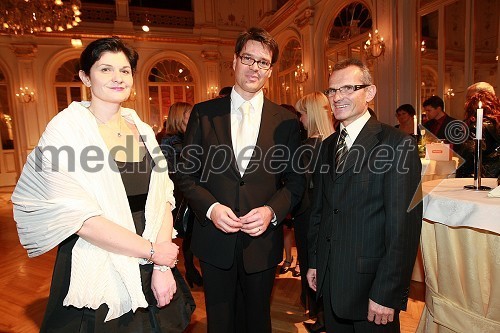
{"x":107,"y":204}
{"x":405,"y":113}
{"x":171,"y":145}
{"x":316,"y":116}
{"x":491,"y":136}
{"x":288,"y":233}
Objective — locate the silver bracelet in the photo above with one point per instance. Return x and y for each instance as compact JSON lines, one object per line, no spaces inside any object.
{"x":161,"y":268}
{"x":151,"y":253}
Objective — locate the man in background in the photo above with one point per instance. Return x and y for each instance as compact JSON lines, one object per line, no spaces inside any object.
{"x":437,"y":118}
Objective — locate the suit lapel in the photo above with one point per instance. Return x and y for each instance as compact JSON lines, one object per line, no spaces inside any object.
{"x":361,"y":148}
{"x":267,"y":125}
{"x":332,"y":148}
{"x":221,"y":122}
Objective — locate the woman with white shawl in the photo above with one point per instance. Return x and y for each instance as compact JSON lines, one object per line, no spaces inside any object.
{"x":97,"y":186}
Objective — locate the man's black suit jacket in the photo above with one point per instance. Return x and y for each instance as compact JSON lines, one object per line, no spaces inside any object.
{"x":210,"y":175}
{"x":360,"y":224}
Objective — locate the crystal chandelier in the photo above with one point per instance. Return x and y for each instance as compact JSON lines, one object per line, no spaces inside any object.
{"x":31,"y":16}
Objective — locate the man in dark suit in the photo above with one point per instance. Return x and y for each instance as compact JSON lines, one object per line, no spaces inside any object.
{"x":437,"y":118}
{"x":238,"y":177}
{"x":364,"y":233}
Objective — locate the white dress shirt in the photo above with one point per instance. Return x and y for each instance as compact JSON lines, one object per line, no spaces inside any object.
{"x":354,"y":128}
{"x":255,"y":117}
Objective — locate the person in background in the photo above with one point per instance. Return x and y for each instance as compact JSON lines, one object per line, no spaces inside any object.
{"x":490,"y":136}
{"x":239,"y":198}
{"x":162,"y":132}
{"x":171,"y":146}
{"x":405,"y":113}
{"x":111,"y":218}
{"x":225,"y":91}
{"x":438,"y":119}
{"x":424,"y":117}
{"x":479,"y":86}
{"x":288,"y":221}
{"x":363,"y":233}
{"x":316,"y":117}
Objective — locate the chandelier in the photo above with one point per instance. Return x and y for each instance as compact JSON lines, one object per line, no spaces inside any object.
{"x":31,"y":16}
{"x":375,"y":45}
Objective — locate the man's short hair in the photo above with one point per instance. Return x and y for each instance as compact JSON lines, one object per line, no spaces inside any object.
{"x":366,"y":75}
{"x":259,"y":35}
{"x":435,"y":102}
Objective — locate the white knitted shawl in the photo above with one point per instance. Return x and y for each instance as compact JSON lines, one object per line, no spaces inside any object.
{"x":58,"y":191}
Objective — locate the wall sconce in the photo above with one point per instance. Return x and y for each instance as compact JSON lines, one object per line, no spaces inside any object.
{"x":147,"y":22}
{"x":212,"y":92}
{"x":423,"y":47}
{"x":375,"y":45}
{"x":301,"y":75}
{"x":450,"y":93}
{"x":76,"y":42}
{"x":25,"y":95}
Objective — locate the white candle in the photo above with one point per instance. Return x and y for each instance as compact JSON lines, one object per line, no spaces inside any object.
{"x":479,"y":122}
{"x":414,"y":125}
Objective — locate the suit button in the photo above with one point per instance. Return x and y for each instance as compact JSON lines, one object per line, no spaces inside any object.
{"x":242,"y":183}
{"x":328,"y":239}
{"x":336,"y":211}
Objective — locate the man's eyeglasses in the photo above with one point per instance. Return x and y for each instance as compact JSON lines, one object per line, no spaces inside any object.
{"x":345,"y":90}
{"x":249,"y":61}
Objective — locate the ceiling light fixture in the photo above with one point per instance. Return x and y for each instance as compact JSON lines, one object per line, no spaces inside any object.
{"x":20,"y":17}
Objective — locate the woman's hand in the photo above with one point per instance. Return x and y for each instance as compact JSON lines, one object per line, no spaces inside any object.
{"x":163,"y":286}
{"x":165,"y":253}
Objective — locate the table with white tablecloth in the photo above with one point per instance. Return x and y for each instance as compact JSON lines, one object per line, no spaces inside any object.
{"x":432,"y":169}
{"x":461,"y":254}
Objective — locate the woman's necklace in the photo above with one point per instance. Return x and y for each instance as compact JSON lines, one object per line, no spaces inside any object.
{"x":119,"y":132}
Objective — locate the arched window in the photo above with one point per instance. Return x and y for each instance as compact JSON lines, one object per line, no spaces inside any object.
{"x":349,"y":33}
{"x":68,"y":86}
{"x":169,"y":81}
{"x":291,"y":57}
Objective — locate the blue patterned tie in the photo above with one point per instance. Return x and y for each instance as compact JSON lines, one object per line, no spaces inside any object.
{"x":342,"y":151}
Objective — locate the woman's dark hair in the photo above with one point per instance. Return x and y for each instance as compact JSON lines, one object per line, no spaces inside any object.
{"x":490,"y":105}
{"x":408,"y":108}
{"x":259,"y":35}
{"x":94,"y":51}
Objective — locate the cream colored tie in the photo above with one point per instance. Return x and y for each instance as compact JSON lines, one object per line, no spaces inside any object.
{"x":244,"y":138}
